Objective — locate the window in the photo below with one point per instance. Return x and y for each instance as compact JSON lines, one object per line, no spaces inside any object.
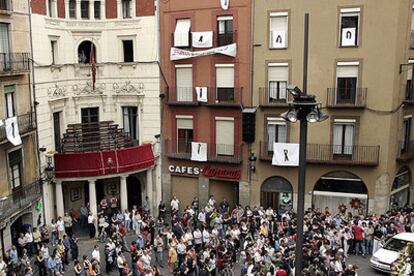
{"x":276,"y":132}
{"x":51,"y":5}
{"x":9,"y":93}
{"x":182,"y":33}
{"x":72,"y":9}
{"x":409,"y":88}
{"x":184,"y":133}
{"x":85,"y":52}
{"x":224,"y":30}
{"x":90,"y":128}
{"x":126,"y":8}
{"x":346,"y":82}
{"x":85,"y":9}
{"x":278,"y":74}
{"x":5,"y":5}
{"x":97,"y":9}
{"x":56,"y":130}
{"x":225,"y":82}
{"x":406,"y":134}
{"x":343,"y":137}
{"x":5,"y":63}
{"x":412,"y":30}
{"x":278,"y":30}
{"x":184,"y":82}
{"x":90,"y":115}
{"x":130,"y":118}
{"x":15,"y":168}
{"x":225,"y":136}
{"x":128,"y":47}
{"x":53,"y":47}
{"x":349,"y":27}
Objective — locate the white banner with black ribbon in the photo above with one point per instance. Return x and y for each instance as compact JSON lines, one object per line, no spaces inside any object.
{"x":228,"y":50}
{"x":225,"y":4}
{"x":201,"y":94}
{"x":202,"y":39}
{"x":12,"y":131}
{"x":198,"y":151}
{"x":348,"y":37}
{"x":285,"y":154}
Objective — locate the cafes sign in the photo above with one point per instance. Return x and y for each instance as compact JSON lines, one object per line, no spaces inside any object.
{"x":206,"y":171}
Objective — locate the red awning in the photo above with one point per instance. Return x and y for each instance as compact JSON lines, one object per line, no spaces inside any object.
{"x":96,"y":163}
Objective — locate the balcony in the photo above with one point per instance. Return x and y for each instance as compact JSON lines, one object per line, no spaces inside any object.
{"x":182,"y":96}
{"x":227,"y":97}
{"x":270,"y":97}
{"x":333,"y":155}
{"x":14,"y":63}
{"x":19,"y":199}
{"x":407,"y":151}
{"x":346,"y":98}
{"x":26,"y":123}
{"x":409,"y":97}
{"x":219,"y":153}
{"x":226,"y":38}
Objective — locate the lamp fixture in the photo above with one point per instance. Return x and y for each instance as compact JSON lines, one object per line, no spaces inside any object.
{"x":291,"y":115}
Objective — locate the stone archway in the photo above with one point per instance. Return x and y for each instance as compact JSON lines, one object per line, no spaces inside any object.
{"x":340,"y":188}
{"x":276,"y":192}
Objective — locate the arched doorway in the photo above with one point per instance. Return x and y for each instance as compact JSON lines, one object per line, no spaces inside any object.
{"x":276,"y":192}
{"x":134,"y":191}
{"x":400,"y":191}
{"x":340,"y":188}
{"x":20,"y":225}
{"x":85,"y":52}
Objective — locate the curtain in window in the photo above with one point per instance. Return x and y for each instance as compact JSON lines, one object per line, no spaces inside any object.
{"x":281,"y":134}
{"x":225,"y":137}
{"x":337,"y":139}
{"x":348,"y":139}
{"x":271,"y":136}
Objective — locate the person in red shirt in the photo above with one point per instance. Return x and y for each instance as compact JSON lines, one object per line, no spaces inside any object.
{"x":358,"y":232}
{"x":280,"y":271}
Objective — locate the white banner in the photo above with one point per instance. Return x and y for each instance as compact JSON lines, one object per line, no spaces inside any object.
{"x":285,"y":154}
{"x":225,"y":4}
{"x":278,"y":39}
{"x":201,"y":94}
{"x":198,"y":151}
{"x":202,"y":39}
{"x":348,"y":37}
{"x":228,"y":50}
{"x":12,"y":131}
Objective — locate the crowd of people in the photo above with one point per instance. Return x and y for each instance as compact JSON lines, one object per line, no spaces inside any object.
{"x":202,"y":240}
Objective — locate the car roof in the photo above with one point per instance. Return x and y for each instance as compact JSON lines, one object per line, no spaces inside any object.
{"x":405,"y":236}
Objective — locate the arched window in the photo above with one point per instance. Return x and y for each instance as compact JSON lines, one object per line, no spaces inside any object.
{"x":85,"y":52}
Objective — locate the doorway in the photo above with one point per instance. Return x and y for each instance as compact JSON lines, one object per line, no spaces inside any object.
{"x":134,"y":191}
{"x":276,"y":193}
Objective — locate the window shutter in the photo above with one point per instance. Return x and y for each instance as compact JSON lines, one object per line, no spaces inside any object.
{"x":278,"y":73}
{"x":184,"y":77}
{"x":278,"y":31}
{"x":9,"y":89}
{"x":4,"y":38}
{"x":278,"y":23}
{"x":184,"y":123}
{"x":225,"y":137}
{"x":181,"y":33}
{"x":345,"y":71}
{"x":225,"y":77}
{"x":15,"y":157}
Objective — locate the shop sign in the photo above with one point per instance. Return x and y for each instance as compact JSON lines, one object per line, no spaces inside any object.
{"x":207,"y":171}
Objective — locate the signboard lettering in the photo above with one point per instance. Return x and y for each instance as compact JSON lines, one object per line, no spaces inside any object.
{"x":207,"y":171}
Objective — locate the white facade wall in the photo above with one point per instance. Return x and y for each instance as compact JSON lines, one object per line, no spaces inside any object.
{"x":66,"y":85}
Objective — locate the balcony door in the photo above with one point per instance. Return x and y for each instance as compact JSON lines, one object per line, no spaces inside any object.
{"x":90,"y":128}
{"x":225,"y":82}
{"x":343,"y":139}
{"x":4,"y":47}
{"x":346,"y":82}
{"x":184,"y":83}
{"x":224,"y":30}
{"x":184,"y":134}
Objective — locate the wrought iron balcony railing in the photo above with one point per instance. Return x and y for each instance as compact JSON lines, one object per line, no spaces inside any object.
{"x":20,"y":198}
{"x":14,"y":62}
{"x":346,"y":98}
{"x":26,"y":123}
{"x":270,"y":96}
{"x":220,"y":153}
{"x":226,"y":96}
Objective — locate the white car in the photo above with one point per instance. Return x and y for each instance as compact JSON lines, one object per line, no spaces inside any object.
{"x":384,"y":258}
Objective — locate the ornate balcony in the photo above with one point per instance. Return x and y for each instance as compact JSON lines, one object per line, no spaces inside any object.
{"x":346,"y":98}
{"x":333,"y":155}
{"x":19,"y":199}
{"x":26,"y":123}
{"x":14,"y":63}
{"x":219,"y":153}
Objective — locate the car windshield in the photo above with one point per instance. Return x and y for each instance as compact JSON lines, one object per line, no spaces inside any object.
{"x":395,"y":245}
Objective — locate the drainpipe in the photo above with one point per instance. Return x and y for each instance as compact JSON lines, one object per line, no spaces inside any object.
{"x":33,"y":104}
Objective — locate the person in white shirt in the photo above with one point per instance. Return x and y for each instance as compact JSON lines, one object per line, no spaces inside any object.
{"x":202,"y":217}
{"x":28,"y":238}
{"x":198,"y":239}
{"x":3,"y":267}
{"x":95,"y":254}
{"x":120,"y":260}
{"x":91,"y":224}
{"x":212,"y":201}
{"x":175,"y":205}
{"x":60,"y":225}
{"x":206,"y":237}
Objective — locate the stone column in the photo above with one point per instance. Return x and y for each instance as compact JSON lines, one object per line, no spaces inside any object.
{"x":203,"y":190}
{"x":124,"y":193}
{"x":92,"y":197}
{"x":60,"y":208}
{"x":148,"y":189}
{"x":92,"y":10}
{"x":78,"y":9}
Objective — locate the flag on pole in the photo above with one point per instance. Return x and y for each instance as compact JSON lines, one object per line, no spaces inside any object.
{"x":93,"y":67}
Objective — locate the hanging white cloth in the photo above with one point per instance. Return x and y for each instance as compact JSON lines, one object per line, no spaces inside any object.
{"x":285,"y":154}
{"x":1,"y":123}
{"x":201,"y":94}
{"x":198,"y":151}
{"x":279,"y":39}
{"x":12,"y":131}
{"x":225,"y":4}
{"x":202,"y":39}
{"x":348,"y":37}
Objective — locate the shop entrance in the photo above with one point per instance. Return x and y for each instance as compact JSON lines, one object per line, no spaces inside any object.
{"x":20,"y":225}
{"x":225,"y":189}
{"x":340,"y":191}
{"x":134,"y":191}
{"x":276,"y":192}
